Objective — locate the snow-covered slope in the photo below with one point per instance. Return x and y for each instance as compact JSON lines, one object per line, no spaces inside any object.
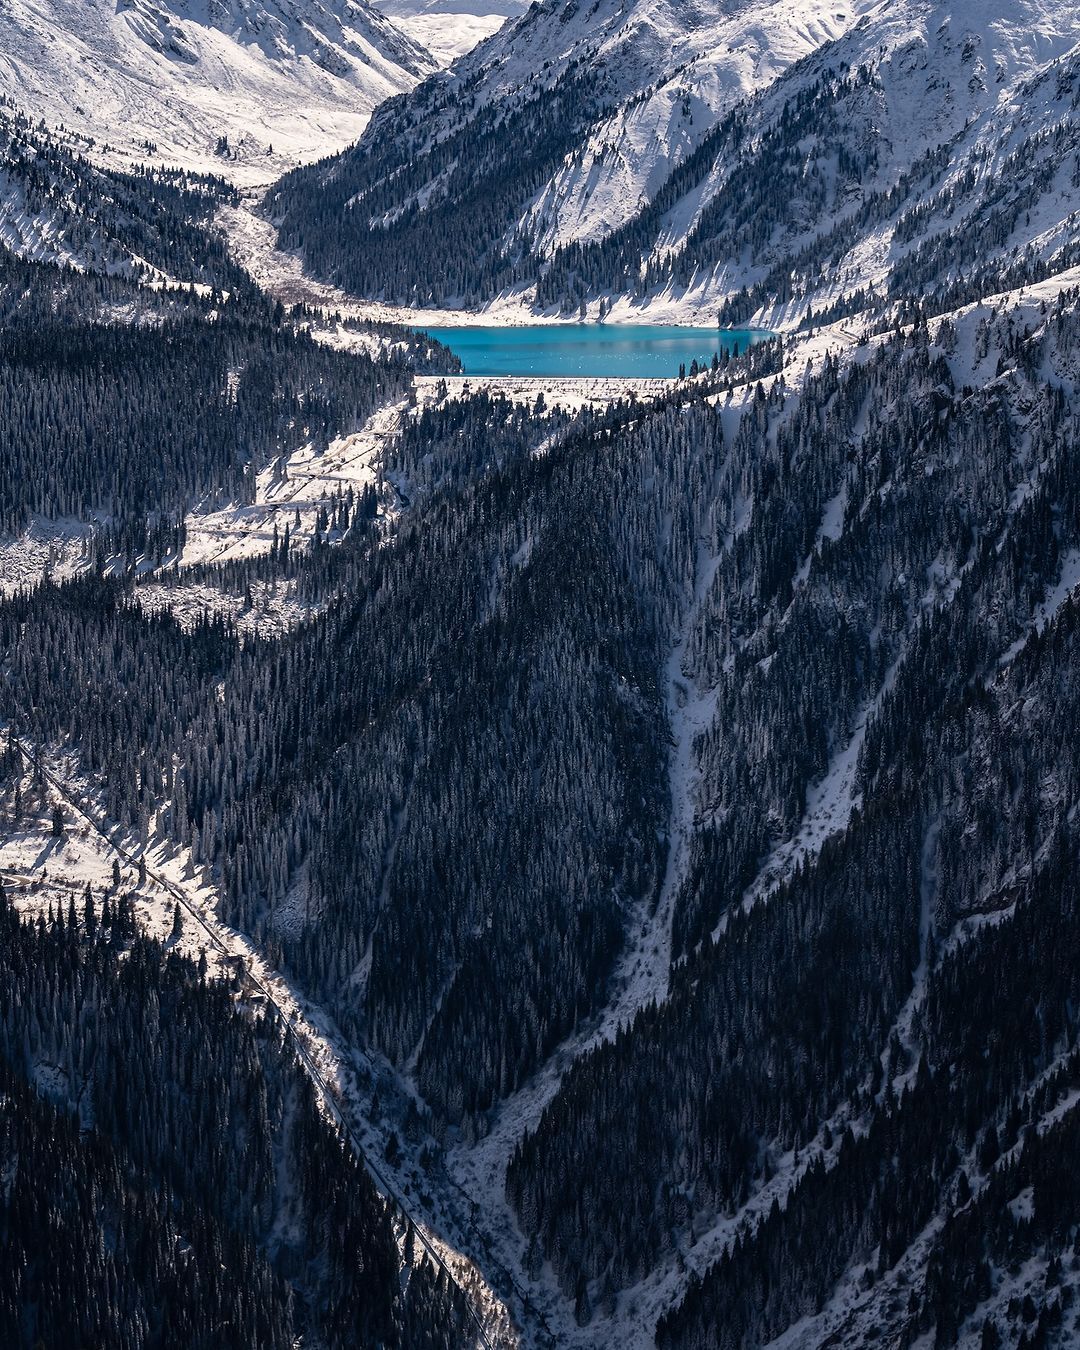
{"x":280,"y":80}
{"x":674,"y":66}
{"x":678,"y":66}
{"x":154,"y":226}
{"x":666,"y":68}
{"x":557,"y":127}
{"x":878,"y":138}
{"x":450,"y":28}
{"x":669,"y":157}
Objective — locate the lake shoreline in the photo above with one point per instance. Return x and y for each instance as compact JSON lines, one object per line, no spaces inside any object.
{"x":590,"y":350}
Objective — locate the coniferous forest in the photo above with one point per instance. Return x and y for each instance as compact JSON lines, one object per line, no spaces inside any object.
{"x":535,"y":864}
{"x":168,"y":1179}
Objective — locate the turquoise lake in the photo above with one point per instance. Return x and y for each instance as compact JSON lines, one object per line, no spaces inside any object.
{"x":638,"y":351}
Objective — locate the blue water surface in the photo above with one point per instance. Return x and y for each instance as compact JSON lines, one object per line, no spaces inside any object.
{"x":641,"y":351}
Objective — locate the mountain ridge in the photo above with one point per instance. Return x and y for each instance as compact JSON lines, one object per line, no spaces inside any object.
{"x":931,"y":75}
{"x":253,"y":85}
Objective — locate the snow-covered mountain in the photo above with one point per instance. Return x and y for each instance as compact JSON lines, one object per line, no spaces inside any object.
{"x":643,"y":807}
{"x":278,"y":80}
{"x":921,"y":117}
{"x":673,"y":68}
{"x":559,"y":126}
{"x":671,"y":156}
{"x":450,"y":28}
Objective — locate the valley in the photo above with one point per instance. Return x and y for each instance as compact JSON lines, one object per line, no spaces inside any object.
{"x":538,"y":628}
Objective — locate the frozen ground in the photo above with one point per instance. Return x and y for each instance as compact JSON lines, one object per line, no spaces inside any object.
{"x":290,"y":492}
{"x":289,"y":495}
{"x":569,"y":392}
{"x":41,"y":869}
{"x":49,"y":548}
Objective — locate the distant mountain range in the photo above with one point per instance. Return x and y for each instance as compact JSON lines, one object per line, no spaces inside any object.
{"x":450,"y":28}
{"x":671,"y":156}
